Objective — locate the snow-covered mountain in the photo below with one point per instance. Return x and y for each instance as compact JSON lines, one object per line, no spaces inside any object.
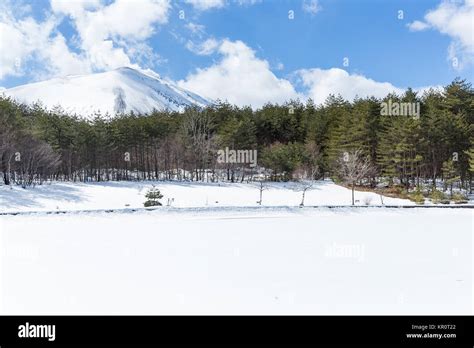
{"x":117,"y":91}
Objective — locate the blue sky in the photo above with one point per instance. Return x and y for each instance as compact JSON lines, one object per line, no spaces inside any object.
{"x":218,"y":42}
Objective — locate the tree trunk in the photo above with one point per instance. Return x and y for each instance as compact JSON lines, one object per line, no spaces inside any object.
{"x":353,"y":185}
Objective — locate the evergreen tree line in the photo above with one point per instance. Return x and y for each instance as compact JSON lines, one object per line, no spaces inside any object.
{"x":294,"y":140}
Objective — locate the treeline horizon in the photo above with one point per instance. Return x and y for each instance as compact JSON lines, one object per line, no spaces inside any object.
{"x":294,"y":141}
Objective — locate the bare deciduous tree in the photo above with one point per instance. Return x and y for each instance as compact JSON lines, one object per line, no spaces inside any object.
{"x":353,"y":167}
{"x":262,"y":187}
{"x":38,"y":160}
{"x":7,"y":144}
{"x":304,"y":181}
{"x":306,"y":174}
{"x":197,"y":130}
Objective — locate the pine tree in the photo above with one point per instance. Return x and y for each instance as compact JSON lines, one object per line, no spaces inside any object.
{"x":153,"y":196}
{"x":449,"y":174}
{"x":470,"y":154}
{"x":400,"y":149}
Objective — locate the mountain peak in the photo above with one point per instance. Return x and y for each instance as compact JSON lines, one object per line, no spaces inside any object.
{"x":114,"y":92}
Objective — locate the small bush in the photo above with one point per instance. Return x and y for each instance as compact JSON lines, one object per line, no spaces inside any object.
{"x":417,"y":197}
{"x":459,"y":198}
{"x":400,"y":192}
{"x":438,"y":197}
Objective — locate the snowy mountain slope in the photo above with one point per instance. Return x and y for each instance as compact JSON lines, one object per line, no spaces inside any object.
{"x":117,"y":91}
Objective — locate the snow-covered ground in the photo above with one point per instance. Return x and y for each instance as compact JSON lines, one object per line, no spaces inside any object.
{"x":222,"y":254}
{"x":113,"y":195}
{"x":243,"y":261}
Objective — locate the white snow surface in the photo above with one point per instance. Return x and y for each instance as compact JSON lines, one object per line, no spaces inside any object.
{"x":116,"y":91}
{"x":116,"y":195}
{"x":270,"y":261}
{"x":216,"y":253}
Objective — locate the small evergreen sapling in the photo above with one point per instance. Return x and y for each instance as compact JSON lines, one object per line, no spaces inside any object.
{"x":153,"y":196}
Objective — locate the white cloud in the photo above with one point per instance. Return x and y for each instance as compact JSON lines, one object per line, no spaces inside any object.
{"x":196,"y":29}
{"x":108,"y":32}
{"x":204,"y":5}
{"x":311,"y":6}
{"x":239,"y":77}
{"x":108,"y":36}
{"x":244,"y":79}
{"x":143,"y":54}
{"x":204,"y":48}
{"x":321,"y":83}
{"x":422,"y":90}
{"x":104,"y":55}
{"x":280,"y":66}
{"x":74,"y":8}
{"x":13,"y":49}
{"x":455,"y":19}
{"x":60,"y":60}
{"x":25,"y":39}
{"x":247,"y":2}
{"x":417,"y":26}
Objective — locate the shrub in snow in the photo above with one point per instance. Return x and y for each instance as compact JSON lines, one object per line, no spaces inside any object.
{"x":417,"y":197}
{"x":439,"y":197}
{"x":459,"y":198}
{"x":153,"y":196}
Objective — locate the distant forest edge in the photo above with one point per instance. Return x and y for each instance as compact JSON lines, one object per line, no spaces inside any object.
{"x":294,"y":141}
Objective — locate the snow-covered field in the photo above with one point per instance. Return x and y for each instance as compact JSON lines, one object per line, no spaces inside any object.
{"x":223,"y":255}
{"x":113,"y":195}
{"x":292,"y":261}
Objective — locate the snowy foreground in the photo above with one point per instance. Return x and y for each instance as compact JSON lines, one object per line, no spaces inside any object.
{"x":240,"y":261}
{"x":215,"y":251}
{"x":116,"y":195}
